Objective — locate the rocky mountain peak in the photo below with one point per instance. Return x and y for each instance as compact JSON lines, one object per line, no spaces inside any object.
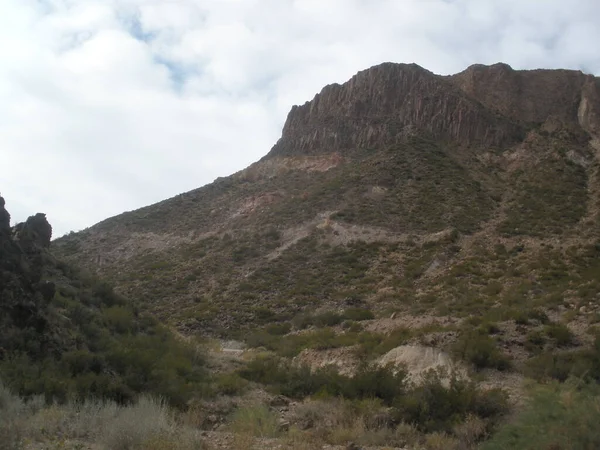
{"x":381,"y":105}
{"x":481,"y":106}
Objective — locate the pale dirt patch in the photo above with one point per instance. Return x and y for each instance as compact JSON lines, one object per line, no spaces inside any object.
{"x":279,"y":166}
{"x":256,"y":203}
{"x":417,"y":360}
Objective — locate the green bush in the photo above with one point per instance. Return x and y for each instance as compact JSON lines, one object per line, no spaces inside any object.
{"x":230,"y":384}
{"x":257,"y":421}
{"x":300,"y":382}
{"x":278,"y":329}
{"x":583,"y":364}
{"x":432,"y":406}
{"x":358,"y":314}
{"x":481,"y":351}
{"x":560,"y":333}
{"x":327,"y":319}
{"x":559,"y":417}
{"x":437,"y":406}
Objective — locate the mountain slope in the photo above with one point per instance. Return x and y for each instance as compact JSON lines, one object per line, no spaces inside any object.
{"x":401,"y":190}
{"x":66,"y":334}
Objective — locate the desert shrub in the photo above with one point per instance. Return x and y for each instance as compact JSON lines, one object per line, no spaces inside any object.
{"x":11,"y":420}
{"x":558,"y":417}
{"x":302,"y":321}
{"x":230,"y":384}
{"x":488,"y":328}
{"x":521,"y":318}
{"x":301,"y":382}
{"x":107,"y":296}
{"x":364,"y":422}
{"x":278,"y":329}
{"x":372,"y":344}
{"x":583,"y":364}
{"x":535,"y":341}
{"x":352,"y":326}
{"x":560,"y":333}
{"x":438,"y":406}
{"x":431,"y":406}
{"x":119,"y":370}
{"x":119,"y":319}
{"x":480,"y":350}
{"x":132,"y":426}
{"x":358,"y":314}
{"x":256,"y":421}
{"x":539,"y":315}
{"x":327,"y":319}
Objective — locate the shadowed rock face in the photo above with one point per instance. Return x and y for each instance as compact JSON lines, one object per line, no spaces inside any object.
{"x":34,"y":232}
{"x":482,"y":106}
{"x":21,"y":267}
{"x":4,"y":219}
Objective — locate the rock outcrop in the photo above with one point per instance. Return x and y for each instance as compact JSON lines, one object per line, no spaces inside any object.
{"x":380,"y":105}
{"x":534,"y":96}
{"x":34,"y":232}
{"x":481,"y":106}
{"x":21,"y":267}
{"x":4,"y":219}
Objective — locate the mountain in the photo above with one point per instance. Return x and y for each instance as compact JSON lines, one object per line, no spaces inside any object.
{"x":462,"y":199}
{"x":67,"y":334}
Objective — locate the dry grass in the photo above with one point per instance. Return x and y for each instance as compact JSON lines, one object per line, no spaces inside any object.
{"x":256,"y":420}
{"x":366,"y":423}
{"x":147,"y":424}
{"x":441,"y":441}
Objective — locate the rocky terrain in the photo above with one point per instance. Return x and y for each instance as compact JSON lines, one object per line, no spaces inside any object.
{"x":399,"y":170}
{"x":402,"y":216}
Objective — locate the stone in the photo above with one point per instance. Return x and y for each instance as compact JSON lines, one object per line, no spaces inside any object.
{"x":34,"y":232}
{"x":4,"y":219}
{"x":279,"y":401}
{"x":353,"y":446}
{"x":283,"y":425}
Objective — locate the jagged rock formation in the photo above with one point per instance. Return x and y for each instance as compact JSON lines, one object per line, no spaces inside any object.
{"x":380,"y":188}
{"x":484,"y":105}
{"x":378,"y":106}
{"x":4,"y":219}
{"x":23,"y":295}
{"x":34,"y":232}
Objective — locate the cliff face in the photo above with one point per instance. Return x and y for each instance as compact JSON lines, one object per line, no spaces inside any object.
{"x":533,"y":96}
{"x":482,"y":106}
{"x":379,"y":106}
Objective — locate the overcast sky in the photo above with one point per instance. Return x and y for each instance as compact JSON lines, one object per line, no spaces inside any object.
{"x":110,"y":105}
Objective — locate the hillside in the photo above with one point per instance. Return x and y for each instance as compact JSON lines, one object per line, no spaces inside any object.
{"x":67,"y":335}
{"x":404,"y":218}
{"x":399,"y":189}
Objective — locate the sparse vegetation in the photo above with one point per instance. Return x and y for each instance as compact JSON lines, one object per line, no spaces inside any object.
{"x":480,"y":350}
{"x":146,"y":423}
{"x":561,"y":417}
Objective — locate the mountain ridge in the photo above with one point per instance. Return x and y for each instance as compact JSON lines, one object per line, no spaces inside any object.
{"x":366,"y":175}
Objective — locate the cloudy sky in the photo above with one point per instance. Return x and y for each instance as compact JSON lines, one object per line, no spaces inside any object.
{"x":110,"y":105}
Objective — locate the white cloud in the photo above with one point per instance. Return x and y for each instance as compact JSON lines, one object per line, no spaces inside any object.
{"x":111,"y":105}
